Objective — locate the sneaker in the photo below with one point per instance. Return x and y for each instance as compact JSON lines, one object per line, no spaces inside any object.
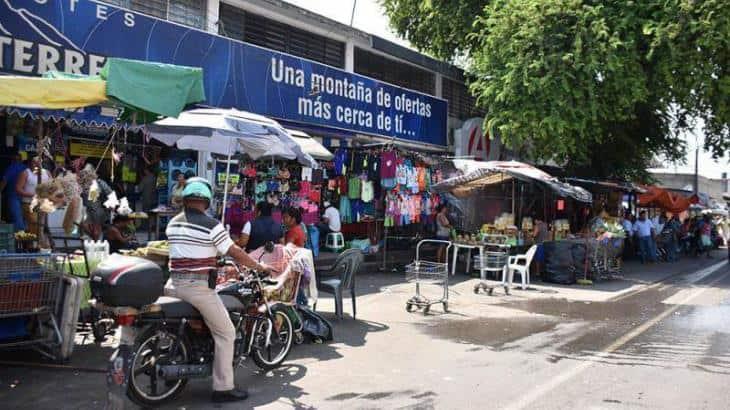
{"x":229,"y":396}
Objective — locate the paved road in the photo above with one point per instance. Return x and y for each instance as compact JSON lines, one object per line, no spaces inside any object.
{"x":666,"y":346}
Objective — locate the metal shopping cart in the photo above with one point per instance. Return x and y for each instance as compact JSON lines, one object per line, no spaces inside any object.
{"x":30,"y":292}
{"x":492,"y":260}
{"x":431,"y":273}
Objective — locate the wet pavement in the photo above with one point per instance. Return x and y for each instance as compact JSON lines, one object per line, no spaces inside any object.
{"x":665,"y":344}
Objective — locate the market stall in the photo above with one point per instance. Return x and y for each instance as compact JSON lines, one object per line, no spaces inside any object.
{"x":140,"y":92}
{"x":515,"y":192}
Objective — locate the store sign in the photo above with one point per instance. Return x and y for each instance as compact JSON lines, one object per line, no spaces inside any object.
{"x":471,"y":140}
{"x":79,"y":149}
{"x":76,"y":35}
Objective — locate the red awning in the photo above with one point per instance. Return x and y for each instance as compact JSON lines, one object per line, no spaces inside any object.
{"x":656,"y":197}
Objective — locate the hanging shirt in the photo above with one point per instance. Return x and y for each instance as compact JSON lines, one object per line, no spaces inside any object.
{"x":373,"y":167}
{"x":354,"y":188}
{"x":412,"y":176}
{"x":387,"y":165}
{"x":339,"y":162}
{"x":368,"y":191}
{"x":401,"y":175}
{"x":421,"y":177}
{"x":306,"y":174}
{"x":343,"y":185}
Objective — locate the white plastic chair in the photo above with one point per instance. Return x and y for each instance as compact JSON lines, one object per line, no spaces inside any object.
{"x":514,"y":265}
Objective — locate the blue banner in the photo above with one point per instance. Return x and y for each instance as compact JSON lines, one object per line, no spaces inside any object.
{"x":77,"y":35}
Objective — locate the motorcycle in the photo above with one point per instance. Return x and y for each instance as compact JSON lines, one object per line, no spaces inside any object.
{"x":166,"y":343}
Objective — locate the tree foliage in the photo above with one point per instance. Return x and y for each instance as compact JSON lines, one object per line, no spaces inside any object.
{"x":601,"y":86}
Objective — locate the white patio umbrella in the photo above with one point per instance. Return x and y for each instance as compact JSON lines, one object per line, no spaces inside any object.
{"x":226,"y":131}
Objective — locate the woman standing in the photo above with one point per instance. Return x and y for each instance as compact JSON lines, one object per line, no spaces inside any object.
{"x":25,"y":188}
{"x":443,"y":230}
{"x":176,"y":197}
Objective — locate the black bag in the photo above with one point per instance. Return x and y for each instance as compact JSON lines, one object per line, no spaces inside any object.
{"x":315,"y":326}
{"x":559,"y":266}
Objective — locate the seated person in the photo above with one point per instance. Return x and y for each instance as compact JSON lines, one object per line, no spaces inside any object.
{"x":263,"y":228}
{"x":117,"y":234}
{"x":330,"y":221}
{"x":294,"y":233}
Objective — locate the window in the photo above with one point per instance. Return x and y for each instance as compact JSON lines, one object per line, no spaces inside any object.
{"x":187,"y":12}
{"x":461,"y":103}
{"x":394,"y":72}
{"x":261,"y":31}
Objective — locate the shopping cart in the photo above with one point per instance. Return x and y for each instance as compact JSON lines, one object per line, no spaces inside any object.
{"x":431,"y":273}
{"x":30,"y":291}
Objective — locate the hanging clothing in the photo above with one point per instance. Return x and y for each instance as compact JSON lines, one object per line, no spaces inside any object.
{"x":354,"y":188}
{"x":373,"y":168}
{"x":306,"y":174}
{"x":387,"y":165}
{"x":339,"y":160}
{"x":368,"y":191}
{"x":345,"y":210}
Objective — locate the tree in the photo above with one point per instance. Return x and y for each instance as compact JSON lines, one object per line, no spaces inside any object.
{"x":600,"y":86}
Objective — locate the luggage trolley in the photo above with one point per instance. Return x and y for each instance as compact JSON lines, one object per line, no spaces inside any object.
{"x":30,"y":291}
{"x":428,"y":272}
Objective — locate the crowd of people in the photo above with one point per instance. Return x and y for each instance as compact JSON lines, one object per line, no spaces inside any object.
{"x":665,"y":239}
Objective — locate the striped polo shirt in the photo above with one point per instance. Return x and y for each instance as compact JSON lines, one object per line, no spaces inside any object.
{"x":195,"y":242}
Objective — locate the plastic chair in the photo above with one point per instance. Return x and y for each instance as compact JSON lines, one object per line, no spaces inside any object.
{"x":335,"y":241}
{"x":514,"y":265}
{"x":340,"y":278}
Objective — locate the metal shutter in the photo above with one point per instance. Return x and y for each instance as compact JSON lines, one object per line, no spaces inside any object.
{"x":262,"y":31}
{"x":157,"y":8}
{"x":231,"y":22}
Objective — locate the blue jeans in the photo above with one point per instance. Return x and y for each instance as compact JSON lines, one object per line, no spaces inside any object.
{"x":647,"y":249}
{"x":16,"y":213}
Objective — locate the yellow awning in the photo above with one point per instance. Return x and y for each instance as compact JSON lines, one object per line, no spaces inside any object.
{"x":50,"y":93}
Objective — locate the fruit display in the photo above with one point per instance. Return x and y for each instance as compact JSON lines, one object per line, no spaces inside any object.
{"x":23,"y":236}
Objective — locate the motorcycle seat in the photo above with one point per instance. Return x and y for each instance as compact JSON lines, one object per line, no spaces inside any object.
{"x":174,"y":307}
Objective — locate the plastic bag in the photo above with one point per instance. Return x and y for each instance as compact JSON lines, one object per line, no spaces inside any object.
{"x":314,"y":326}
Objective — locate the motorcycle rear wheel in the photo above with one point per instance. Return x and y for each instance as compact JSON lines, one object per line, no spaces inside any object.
{"x":272,"y":356}
{"x":144,"y":365}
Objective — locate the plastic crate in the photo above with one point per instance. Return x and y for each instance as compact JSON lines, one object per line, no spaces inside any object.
{"x":7,"y":238}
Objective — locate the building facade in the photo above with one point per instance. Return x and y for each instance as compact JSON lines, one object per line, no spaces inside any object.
{"x":264,"y":56}
{"x":713,"y":188}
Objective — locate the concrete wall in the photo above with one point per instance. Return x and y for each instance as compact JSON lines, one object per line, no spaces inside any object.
{"x":712,"y":187}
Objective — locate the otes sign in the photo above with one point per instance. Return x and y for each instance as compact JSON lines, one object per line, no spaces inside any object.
{"x":471,"y":140}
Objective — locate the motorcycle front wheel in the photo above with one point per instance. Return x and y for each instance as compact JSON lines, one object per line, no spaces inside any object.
{"x":155,"y":347}
{"x":270,"y":355}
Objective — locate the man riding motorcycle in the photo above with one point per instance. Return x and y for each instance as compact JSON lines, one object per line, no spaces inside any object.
{"x":195,"y":242}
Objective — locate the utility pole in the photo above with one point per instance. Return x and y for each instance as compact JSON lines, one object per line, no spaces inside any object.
{"x":697,"y":166}
{"x":352,"y":16}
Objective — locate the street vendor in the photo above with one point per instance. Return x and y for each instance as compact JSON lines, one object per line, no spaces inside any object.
{"x":540,"y":235}
{"x":117,"y":234}
{"x":176,"y":192}
{"x":294,"y":233}
{"x":331,"y":221}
